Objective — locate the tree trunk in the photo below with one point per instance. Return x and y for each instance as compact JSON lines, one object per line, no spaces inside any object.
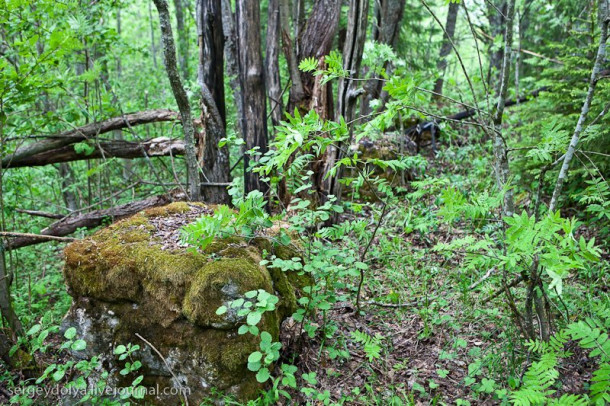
{"x":499,"y":145}
{"x":604,"y":18}
{"x":231,"y":58}
{"x":153,"y":45}
{"x":214,"y":160}
{"x":169,"y":53}
{"x":254,"y":115}
{"x":441,"y":66}
{"x":183,"y":40}
{"x":316,"y":41}
{"x":6,"y":308}
{"x":388,"y":15}
{"x":272,"y":65}
{"x":67,"y":180}
{"x":348,"y":89}
{"x":497,"y":10}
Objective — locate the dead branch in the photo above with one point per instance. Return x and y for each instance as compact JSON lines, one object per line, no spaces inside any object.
{"x":92,"y":219}
{"x":156,"y":147}
{"x":89,"y":131}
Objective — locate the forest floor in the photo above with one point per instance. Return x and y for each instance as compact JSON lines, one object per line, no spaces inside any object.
{"x":441,"y":338}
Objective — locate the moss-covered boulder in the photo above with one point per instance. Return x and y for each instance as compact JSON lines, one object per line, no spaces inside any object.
{"x":135,"y":277}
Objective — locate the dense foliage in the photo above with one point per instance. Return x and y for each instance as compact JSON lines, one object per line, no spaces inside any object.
{"x":458,"y":244}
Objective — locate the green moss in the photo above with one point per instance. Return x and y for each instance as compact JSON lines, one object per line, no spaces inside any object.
{"x":172,"y":208}
{"x":216,"y":284}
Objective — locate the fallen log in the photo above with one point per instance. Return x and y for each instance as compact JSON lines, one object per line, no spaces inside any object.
{"x":92,"y":219}
{"x":417,"y":130}
{"x":89,"y":131}
{"x":156,"y":147}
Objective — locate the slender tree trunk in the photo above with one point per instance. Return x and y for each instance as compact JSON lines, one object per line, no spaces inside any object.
{"x":67,"y":180}
{"x":348,"y":89}
{"x":388,"y":16}
{"x":296,"y":92}
{"x":272,"y":65}
{"x":213,"y":159}
{"x":604,"y":16}
{"x":183,"y":40}
{"x":315,"y":40}
{"x":6,"y":308}
{"x":441,"y":66}
{"x":254,"y":115}
{"x":500,"y":152}
{"x":231,"y":58}
{"x":153,"y":45}
{"x":497,"y":10}
{"x":169,"y":53}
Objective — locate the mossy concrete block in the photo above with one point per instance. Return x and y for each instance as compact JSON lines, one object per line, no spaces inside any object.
{"x":125,"y":280}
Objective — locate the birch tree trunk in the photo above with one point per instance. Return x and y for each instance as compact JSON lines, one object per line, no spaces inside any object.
{"x":169,"y":54}
{"x":254,"y":115}
{"x":604,"y":17}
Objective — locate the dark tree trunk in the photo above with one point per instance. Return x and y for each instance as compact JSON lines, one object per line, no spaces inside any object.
{"x":169,"y":53}
{"x":183,"y":40}
{"x":214,"y":160}
{"x":496,"y":14}
{"x":230,"y":53}
{"x":348,"y":89}
{"x":388,"y":16}
{"x":67,"y":180}
{"x":315,"y":40}
{"x":272,"y":66}
{"x":254,"y":115}
{"x":441,"y":66}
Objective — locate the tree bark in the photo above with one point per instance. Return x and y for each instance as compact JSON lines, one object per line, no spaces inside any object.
{"x":316,"y":41}
{"x":254,"y":115}
{"x":441,"y":66}
{"x":169,"y":53}
{"x":231,"y":59}
{"x":501,"y":167}
{"x":213,"y":159}
{"x":93,"y":219}
{"x":183,"y":40}
{"x":88,"y":131}
{"x":388,"y":15}
{"x":497,"y":11}
{"x":67,"y":180}
{"x":156,"y":147}
{"x":604,"y":17}
{"x":348,"y":90}
{"x":272,"y":64}
{"x":153,"y":45}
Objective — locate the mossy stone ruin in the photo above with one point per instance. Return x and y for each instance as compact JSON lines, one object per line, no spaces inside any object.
{"x":135,"y":277}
